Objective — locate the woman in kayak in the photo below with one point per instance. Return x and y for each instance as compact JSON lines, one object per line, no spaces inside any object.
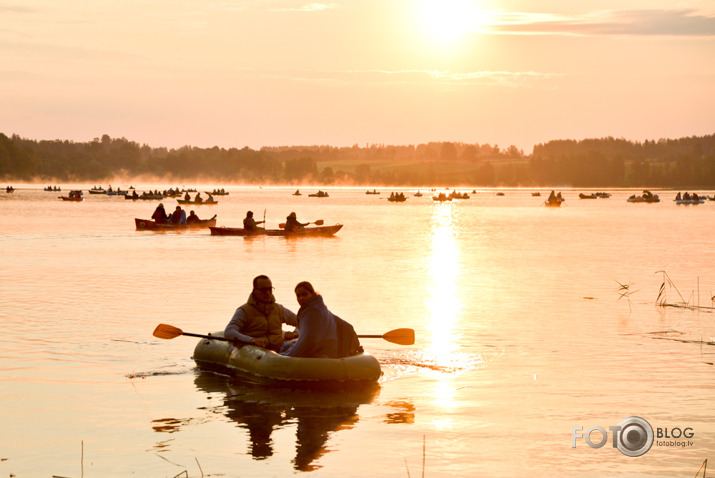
{"x":160,"y":215}
{"x":292,"y":224}
{"x":321,"y":334}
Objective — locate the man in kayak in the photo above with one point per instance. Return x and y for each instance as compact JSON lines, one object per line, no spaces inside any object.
{"x":249,"y":223}
{"x":192,"y":218}
{"x":260,"y":320}
{"x":322,"y":334}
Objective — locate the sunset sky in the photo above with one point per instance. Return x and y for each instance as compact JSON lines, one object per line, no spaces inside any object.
{"x":235,"y":73}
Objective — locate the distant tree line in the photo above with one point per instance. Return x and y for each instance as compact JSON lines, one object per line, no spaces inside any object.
{"x":605,"y":162}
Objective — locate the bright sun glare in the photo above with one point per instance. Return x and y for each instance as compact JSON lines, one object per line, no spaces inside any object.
{"x":448,"y":20}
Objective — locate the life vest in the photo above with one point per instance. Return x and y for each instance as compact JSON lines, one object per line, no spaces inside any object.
{"x":260,"y":325}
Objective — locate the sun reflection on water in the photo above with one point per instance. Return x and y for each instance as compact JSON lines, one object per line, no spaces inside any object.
{"x":444,"y":267}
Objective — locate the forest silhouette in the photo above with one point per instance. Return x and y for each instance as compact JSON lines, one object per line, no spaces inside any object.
{"x":605,"y":162}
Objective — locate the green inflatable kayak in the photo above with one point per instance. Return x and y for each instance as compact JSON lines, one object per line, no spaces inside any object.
{"x":261,"y":366}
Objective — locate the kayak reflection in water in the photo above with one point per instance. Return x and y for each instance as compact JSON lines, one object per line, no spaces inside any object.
{"x":258,"y":410}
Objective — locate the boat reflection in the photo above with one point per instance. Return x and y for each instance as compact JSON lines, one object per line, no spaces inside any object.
{"x":259,"y":410}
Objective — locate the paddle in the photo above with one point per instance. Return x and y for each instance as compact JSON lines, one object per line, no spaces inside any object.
{"x":397,"y":336}
{"x":166,"y":331}
{"x":319,"y":222}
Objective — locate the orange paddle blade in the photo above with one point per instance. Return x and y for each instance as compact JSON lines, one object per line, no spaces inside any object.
{"x":397,"y":336}
{"x":165,"y":331}
{"x":319,"y":222}
{"x":400,"y":336}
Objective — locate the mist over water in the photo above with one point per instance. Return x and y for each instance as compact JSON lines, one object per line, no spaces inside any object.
{"x":524,"y":330}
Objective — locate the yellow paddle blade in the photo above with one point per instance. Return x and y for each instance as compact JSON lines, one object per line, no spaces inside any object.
{"x":400,"y":336}
{"x":165,"y":331}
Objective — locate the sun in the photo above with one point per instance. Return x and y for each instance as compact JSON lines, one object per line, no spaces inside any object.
{"x":447,"y":21}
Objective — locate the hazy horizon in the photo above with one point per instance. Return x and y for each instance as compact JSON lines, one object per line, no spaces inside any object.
{"x":274,"y":73}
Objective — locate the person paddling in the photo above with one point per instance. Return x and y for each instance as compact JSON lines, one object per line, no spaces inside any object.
{"x":292,"y":223}
{"x":249,"y":223}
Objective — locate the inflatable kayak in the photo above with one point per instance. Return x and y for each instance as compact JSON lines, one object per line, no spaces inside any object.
{"x":261,"y":366}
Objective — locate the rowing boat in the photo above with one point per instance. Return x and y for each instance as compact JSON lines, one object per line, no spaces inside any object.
{"x":307,"y":231}
{"x":74,"y":195}
{"x":261,"y":366}
{"x":149,"y":225}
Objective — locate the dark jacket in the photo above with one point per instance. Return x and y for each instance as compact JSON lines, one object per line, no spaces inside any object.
{"x":323,"y":334}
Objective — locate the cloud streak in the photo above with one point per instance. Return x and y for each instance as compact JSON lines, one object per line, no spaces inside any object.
{"x":308,"y":7}
{"x":406,"y":77}
{"x":627,"y":22}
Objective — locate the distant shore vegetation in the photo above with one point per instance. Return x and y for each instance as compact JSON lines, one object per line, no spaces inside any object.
{"x":685,"y":163}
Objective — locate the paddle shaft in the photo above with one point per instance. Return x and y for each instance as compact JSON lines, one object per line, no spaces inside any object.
{"x":397,"y":336}
{"x":216,"y":337}
{"x":319,"y":222}
{"x":210,"y":337}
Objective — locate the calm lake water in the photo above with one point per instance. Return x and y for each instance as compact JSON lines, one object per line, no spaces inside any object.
{"x":522,"y":334}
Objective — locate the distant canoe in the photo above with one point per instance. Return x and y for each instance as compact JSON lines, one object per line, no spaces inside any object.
{"x":236,"y":231}
{"x":194,"y":203}
{"x":150,"y":225}
{"x":647,"y":196}
{"x":587,"y":196}
{"x":442,"y":197}
{"x":307,"y":231}
{"x":319,"y":194}
{"x":145,"y":197}
{"x":75,"y":195}
{"x":456,"y":195}
{"x":217,"y":193}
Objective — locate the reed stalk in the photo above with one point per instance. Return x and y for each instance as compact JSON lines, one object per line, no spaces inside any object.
{"x":703,"y":467}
